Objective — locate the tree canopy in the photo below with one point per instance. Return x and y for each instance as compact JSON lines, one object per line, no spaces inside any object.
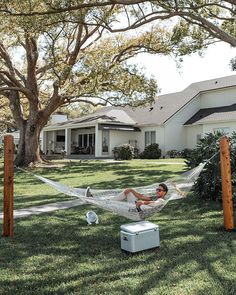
{"x":216,"y":17}
{"x":54,"y":53}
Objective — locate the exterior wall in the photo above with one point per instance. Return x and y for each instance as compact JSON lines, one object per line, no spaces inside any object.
{"x":175,"y":135}
{"x":179,"y":137}
{"x":118,"y":138}
{"x":210,"y":128}
{"x":193,"y":131}
{"x":159,"y":137}
{"x":191,"y":135}
{"x":218,"y":98}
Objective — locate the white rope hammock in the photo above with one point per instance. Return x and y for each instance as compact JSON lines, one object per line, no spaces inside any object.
{"x":115,"y":201}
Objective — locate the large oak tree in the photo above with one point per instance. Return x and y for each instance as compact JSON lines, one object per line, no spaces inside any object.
{"x":55,"y":53}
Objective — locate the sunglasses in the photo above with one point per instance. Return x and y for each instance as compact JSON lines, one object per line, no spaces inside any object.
{"x":159,"y":190}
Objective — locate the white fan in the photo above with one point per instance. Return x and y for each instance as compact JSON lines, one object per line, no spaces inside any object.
{"x":91,"y":217}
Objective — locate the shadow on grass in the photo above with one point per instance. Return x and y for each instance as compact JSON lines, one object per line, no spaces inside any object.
{"x":60,"y":254}
{"x":30,"y":191}
{"x":126,"y":176}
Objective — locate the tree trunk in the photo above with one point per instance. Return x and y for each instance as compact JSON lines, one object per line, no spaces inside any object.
{"x":28,"y":149}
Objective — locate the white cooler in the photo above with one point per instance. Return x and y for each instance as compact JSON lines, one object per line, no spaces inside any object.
{"x":138,"y":236}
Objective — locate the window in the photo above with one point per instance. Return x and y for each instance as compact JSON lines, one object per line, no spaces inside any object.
{"x":105,"y":141}
{"x":91,"y":139}
{"x":86,"y":140}
{"x":60,"y":138}
{"x":150,"y":137}
{"x":81,"y":140}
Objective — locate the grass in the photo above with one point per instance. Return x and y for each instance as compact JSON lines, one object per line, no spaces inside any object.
{"x":29,"y":191}
{"x":58,"y":253}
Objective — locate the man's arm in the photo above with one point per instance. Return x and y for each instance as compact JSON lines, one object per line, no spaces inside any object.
{"x":140,"y":203}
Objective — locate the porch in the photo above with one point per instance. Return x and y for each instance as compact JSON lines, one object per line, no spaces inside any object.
{"x":69,"y":142}
{"x":88,"y":141}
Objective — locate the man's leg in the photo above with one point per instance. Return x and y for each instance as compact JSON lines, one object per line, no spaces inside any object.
{"x":125,"y":196}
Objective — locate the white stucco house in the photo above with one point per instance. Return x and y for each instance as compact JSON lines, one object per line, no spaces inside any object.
{"x":175,"y":121}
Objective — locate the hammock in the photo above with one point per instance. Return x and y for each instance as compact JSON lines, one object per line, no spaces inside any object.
{"x":114,"y":200}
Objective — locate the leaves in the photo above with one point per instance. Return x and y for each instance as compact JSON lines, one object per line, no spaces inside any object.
{"x":208,"y":185}
{"x":55,"y":53}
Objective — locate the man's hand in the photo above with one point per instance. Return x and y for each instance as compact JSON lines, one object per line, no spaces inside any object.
{"x":139,"y":203}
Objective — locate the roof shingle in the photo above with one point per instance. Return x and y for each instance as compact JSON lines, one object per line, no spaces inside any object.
{"x":158,"y":113}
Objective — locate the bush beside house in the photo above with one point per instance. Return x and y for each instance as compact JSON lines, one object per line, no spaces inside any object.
{"x":151,"y":151}
{"x":173,"y":154}
{"x":123,"y":152}
{"x":185,"y":153}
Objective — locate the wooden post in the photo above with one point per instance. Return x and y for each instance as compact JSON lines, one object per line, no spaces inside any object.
{"x":226,"y":183}
{"x":8,"y":186}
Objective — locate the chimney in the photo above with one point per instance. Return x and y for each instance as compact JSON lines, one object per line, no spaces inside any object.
{"x":58,"y":118}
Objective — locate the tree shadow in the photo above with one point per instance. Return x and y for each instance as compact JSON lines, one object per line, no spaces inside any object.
{"x":59,"y":253}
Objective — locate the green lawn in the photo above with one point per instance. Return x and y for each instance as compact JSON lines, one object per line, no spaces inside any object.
{"x":30,"y":191}
{"x":58,"y":253}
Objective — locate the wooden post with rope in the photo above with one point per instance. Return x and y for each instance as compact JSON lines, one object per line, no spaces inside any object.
{"x":226,"y":183}
{"x":8,"y":186}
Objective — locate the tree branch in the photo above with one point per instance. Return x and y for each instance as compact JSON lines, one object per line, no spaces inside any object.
{"x":58,"y":10}
{"x":32,"y":57}
{"x":210,"y":27}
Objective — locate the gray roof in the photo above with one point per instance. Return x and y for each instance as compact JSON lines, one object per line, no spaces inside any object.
{"x":169,"y":104}
{"x":164,"y":107}
{"x":212,"y":115}
{"x":105,"y":115}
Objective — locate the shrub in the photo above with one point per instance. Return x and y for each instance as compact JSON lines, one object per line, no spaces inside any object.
{"x":123,"y":152}
{"x":151,"y":151}
{"x":173,"y":154}
{"x":208,"y":184}
{"x":186,"y":153}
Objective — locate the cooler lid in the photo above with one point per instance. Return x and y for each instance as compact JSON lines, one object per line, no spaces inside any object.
{"x":137,"y":227}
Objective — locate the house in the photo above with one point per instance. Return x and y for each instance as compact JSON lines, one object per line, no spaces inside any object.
{"x":175,"y":121}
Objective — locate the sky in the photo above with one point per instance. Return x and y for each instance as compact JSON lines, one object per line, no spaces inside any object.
{"x":214,"y":64}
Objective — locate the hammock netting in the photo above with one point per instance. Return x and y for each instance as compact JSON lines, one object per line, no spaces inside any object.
{"x":116,"y":202}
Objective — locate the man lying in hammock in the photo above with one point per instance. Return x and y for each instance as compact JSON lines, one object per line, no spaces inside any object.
{"x":141,"y":199}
